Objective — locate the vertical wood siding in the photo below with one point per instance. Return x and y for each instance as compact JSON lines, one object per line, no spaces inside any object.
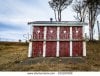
{"x":64,"y":49}
{"x":64,"y":32}
{"x":51,"y":33}
{"x":77,"y":32}
{"x":77,"y":48}
{"x":51,"y":46}
{"x":51,"y":49}
{"x":38,"y":32}
{"x":37,"y":48}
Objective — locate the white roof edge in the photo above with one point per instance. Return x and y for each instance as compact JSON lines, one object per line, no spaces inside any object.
{"x":63,"y":23}
{"x":58,"y":24}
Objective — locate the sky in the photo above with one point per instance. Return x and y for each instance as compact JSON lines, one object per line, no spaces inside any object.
{"x":15,"y":14}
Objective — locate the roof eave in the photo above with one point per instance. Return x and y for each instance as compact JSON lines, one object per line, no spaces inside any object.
{"x":70,"y":23}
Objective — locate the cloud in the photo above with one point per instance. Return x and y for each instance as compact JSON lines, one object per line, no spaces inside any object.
{"x":5,"y":27}
{"x":15,"y":14}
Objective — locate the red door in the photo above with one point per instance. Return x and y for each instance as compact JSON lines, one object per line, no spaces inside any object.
{"x":38,"y":32}
{"x":64,"y":49}
{"x":51,"y":45}
{"x":50,"y":49}
{"x":37,"y":48}
{"x":77,"y":48}
{"x":64,"y":45}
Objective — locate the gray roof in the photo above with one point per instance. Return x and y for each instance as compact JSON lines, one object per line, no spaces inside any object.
{"x":55,"y":23}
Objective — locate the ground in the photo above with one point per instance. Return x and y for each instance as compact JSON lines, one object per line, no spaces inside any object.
{"x":13,"y":57}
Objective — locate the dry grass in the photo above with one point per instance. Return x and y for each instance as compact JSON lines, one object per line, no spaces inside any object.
{"x":13,"y":57}
{"x":12,"y":53}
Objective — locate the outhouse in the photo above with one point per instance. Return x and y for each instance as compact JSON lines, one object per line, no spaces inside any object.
{"x":57,"y":39}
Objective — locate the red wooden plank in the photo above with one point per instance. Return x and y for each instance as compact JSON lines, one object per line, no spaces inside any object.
{"x":51,"y":32}
{"x":64,"y":49}
{"x":50,"y":49}
{"x":77,"y":48}
{"x":37,"y":48}
{"x":38,"y":32}
{"x":77,"y":32}
{"x":64,"y":32}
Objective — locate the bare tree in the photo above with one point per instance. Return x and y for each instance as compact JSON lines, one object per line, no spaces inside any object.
{"x":58,"y":6}
{"x":98,"y":30}
{"x":90,"y":7}
{"x":80,"y":8}
{"x":93,"y":7}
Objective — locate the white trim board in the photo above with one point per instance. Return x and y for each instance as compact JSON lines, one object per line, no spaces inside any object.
{"x":44,"y":42}
{"x":84,"y":42}
{"x":44,"y":48}
{"x":30,"y":49}
{"x":71,"y":41}
{"x":57,"y":47}
{"x":84,"y":48}
{"x":30,"y":43}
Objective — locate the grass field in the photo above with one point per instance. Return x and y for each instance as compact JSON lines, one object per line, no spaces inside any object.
{"x":13,"y":57}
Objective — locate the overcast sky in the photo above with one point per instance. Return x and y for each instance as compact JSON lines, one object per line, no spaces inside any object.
{"x":14,"y":15}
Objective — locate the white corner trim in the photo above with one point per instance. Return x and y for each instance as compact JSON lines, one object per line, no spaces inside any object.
{"x":84,"y":48}
{"x":84,"y":42}
{"x":30,"y":43}
{"x":30,"y":49}
{"x":44,"y":43}
{"x":57,"y":47}
{"x":71,"y":41}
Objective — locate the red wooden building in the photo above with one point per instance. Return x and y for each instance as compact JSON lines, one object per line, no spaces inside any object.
{"x":57,"y":39}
